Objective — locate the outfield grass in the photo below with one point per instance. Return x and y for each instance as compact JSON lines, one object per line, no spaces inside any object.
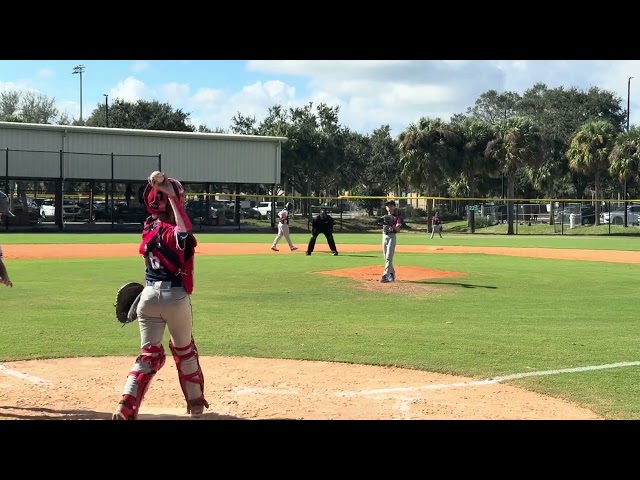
{"x":506,"y":316}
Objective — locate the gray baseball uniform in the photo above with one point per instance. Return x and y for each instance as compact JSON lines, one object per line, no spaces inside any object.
{"x":283,"y":230}
{"x":389,"y":244}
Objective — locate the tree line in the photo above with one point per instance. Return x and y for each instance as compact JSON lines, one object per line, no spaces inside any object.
{"x":545,"y":143}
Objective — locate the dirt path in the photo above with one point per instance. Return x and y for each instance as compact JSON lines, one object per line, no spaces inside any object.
{"x":249,"y":388}
{"x":129,"y":250}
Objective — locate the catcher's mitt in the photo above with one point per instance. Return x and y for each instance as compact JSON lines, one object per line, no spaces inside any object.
{"x":388,"y":223}
{"x":127,"y":300}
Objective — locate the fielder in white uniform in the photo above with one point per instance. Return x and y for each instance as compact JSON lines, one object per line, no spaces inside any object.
{"x":283,"y":228}
{"x":4,"y":210}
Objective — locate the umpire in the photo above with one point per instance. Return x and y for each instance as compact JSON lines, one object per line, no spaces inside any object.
{"x":322,"y":223}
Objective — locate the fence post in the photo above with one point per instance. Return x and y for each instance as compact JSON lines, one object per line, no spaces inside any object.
{"x":60,"y":200}
{"x":112,"y":190}
{"x":159,"y":162}
{"x":237,"y":209}
{"x":6,"y":185}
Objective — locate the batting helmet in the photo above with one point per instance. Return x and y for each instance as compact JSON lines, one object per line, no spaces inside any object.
{"x":157,"y":202}
{"x":289,"y":206}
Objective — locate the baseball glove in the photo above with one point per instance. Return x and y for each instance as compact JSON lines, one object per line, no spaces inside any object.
{"x":388,"y":222}
{"x":127,"y":300}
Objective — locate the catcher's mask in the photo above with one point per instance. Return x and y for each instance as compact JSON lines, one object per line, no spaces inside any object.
{"x":157,"y":202}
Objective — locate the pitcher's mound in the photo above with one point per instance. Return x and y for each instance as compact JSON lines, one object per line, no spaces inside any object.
{"x":407,"y":278}
{"x":407,"y":274}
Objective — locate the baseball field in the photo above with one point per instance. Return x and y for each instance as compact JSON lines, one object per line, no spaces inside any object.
{"x":476,"y":327}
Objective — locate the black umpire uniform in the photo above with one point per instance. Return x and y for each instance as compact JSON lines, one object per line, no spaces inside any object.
{"x":322,"y":223}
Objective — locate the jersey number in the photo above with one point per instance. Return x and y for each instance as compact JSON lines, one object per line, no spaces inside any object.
{"x":153,"y":260}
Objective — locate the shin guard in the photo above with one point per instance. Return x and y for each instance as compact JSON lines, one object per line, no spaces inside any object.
{"x":181,"y":354}
{"x":150,"y":361}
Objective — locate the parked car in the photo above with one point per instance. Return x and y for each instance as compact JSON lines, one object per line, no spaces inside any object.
{"x":264,"y":208}
{"x":616,"y":217}
{"x":70,"y":210}
{"x":197,"y":209}
{"x":23,"y":216}
{"x":584,"y":215}
{"x":129,"y":214}
{"x":246,"y":212}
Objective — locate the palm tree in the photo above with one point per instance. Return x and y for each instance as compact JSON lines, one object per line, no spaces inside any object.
{"x":589,"y":152}
{"x":424,"y":150}
{"x":472,"y":137}
{"x":517,"y":144}
{"x":625,"y":156}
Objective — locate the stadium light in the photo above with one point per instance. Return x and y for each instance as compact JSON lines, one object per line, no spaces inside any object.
{"x":106,"y":108}
{"x":79,"y":69}
{"x":625,"y":177}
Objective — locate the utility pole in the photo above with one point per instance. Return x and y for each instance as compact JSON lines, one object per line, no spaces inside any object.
{"x":106,"y":108}
{"x":625,"y":177}
{"x":79,"y":69}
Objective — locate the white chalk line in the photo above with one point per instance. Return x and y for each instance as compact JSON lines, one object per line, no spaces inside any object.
{"x":490,"y":381}
{"x":258,"y":390}
{"x":403,"y":402}
{"x":441,"y":386}
{"x":23,"y":376}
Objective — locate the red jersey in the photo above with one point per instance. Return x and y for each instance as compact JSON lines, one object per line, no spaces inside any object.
{"x":168,"y":253}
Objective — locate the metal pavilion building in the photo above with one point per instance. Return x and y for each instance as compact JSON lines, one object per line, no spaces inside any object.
{"x":62,"y":153}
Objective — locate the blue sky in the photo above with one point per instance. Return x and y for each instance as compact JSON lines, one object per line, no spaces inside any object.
{"x":370,"y":93}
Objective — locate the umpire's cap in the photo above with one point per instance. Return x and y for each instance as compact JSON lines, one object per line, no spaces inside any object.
{"x":390,"y":202}
{"x":4,"y":205}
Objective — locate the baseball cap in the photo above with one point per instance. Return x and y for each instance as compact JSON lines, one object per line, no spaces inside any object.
{"x":390,"y":202}
{"x":4,"y":205}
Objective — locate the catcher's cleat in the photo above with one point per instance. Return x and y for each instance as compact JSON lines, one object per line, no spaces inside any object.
{"x":124,"y":412}
{"x":196,"y":407}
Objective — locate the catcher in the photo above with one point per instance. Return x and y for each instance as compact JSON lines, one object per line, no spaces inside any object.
{"x":168,"y":248}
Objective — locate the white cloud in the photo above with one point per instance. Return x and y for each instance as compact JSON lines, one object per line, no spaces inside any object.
{"x":21,"y":86}
{"x":140,"y":66}
{"x":380,"y":92}
{"x":131,"y":90}
{"x":46,"y":73}
{"x":72,"y":109}
{"x":206,"y":97}
{"x":175,"y":92}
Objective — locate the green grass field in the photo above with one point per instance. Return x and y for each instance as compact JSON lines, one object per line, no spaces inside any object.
{"x":506,"y":316}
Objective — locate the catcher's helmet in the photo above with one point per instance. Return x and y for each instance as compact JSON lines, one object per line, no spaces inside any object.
{"x":289,"y":206}
{"x":157,"y":202}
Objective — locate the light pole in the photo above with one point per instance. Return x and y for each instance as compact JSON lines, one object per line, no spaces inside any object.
{"x":106,"y":108}
{"x":625,"y":177}
{"x":79,"y":69}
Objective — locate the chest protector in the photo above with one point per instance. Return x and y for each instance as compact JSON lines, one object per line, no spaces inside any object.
{"x":179,"y":263}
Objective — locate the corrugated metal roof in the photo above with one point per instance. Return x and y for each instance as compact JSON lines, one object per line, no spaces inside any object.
{"x":137,"y":132}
